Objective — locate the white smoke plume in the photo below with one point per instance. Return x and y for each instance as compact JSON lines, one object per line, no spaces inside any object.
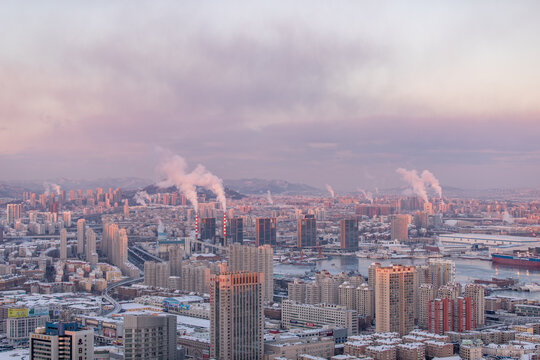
{"x":51,"y":187}
{"x":269,"y":197}
{"x":418,"y":183}
{"x":161,"y":227}
{"x":507,"y":218}
{"x":174,"y":167}
{"x":331,"y":191}
{"x":367,"y":195}
{"x":141,"y":197}
{"x":431,"y":180}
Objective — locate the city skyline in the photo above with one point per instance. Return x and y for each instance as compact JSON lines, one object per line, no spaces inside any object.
{"x":306,"y":94}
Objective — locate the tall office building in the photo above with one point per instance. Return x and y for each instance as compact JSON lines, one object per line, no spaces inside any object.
{"x":157,"y":274}
{"x":254,"y":259}
{"x":348,"y":234}
{"x":236,"y":230}
{"x":441,"y":272}
{"x":399,"y":227}
{"x":150,"y":337}
{"x":425,"y":295}
{"x":63,"y":244}
{"x":207,"y":228}
{"x":476,"y":293}
{"x":81,"y":228}
{"x":306,"y":232}
{"x":236,"y":316}
{"x":91,"y":254}
{"x":61,"y":341}
{"x":265,"y":231}
{"x":13,"y":213}
{"x":394,"y":299}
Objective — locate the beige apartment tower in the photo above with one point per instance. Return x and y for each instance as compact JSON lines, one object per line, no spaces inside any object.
{"x":399,"y":227}
{"x":81,"y":228}
{"x":236,"y":316}
{"x":395,"y":299}
{"x":63,"y":244}
{"x":254,"y":259}
{"x":476,"y":292}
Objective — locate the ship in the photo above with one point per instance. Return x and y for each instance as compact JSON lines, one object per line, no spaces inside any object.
{"x":531,"y":261}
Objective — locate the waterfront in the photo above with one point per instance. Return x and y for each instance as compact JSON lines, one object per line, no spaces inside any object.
{"x":466,"y":270}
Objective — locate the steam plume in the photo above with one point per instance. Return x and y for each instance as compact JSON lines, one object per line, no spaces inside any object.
{"x":51,"y":187}
{"x":174,"y":167}
{"x":507,"y":218}
{"x":141,"y":197}
{"x":431,"y":180}
{"x":330,"y":190}
{"x":269,"y":197}
{"x":418,"y":183}
{"x":368,"y":195}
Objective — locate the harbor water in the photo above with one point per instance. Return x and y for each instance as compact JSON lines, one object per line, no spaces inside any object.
{"x":467,"y":270}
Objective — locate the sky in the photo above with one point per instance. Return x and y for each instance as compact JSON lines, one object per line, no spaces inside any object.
{"x":318,"y":92}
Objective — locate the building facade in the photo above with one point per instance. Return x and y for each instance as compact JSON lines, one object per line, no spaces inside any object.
{"x":237,"y":316}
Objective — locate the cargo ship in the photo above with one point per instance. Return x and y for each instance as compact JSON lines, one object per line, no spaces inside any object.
{"x":522,"y":260}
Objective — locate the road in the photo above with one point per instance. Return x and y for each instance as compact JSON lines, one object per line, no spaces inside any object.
{"x":109,"y":298}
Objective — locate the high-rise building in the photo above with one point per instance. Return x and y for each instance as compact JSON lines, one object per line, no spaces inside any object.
{"x":63,"y":244}
{"x":81,"y":228}
{"x":265,"y":231}
{"x":425,"y":295}
{"x":399,"y":227}
{"x":91,"y":254}
{"x":126,"y":208}
{"x":236,"y":316}
{"x":13,"y":213}
{"x":306,"y":232}
{"x":207,"y":228}
{"x":61,"y":341}
{"x":441,"y":272}
{"x":372,"y":279}
{"x":450,"y":315}
{"x":254,"y":259}
{"x":449,"y":291}
{"x":176,"y":255}
{"x":66,"y":216}
{"x":476,"y":293}
{"x":157,"y":274}
{"x":150,"y":337}
{"x":348,"y":234}
{"x":236,"y":230}
{"x":394,"y":299}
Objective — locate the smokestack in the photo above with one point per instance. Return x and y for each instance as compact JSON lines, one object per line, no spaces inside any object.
{"x":196,"y":226}
{"x":224,"y":227}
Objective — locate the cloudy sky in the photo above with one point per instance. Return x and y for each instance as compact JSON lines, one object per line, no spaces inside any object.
{"x":340,"y":92}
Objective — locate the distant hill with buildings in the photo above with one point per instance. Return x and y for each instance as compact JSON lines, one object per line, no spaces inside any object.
{"x":261,"y":186}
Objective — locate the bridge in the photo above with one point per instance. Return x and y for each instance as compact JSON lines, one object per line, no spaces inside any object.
{"x":141,"y":255}
{"x":116,"y":309}
{"x":189,"y":242}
